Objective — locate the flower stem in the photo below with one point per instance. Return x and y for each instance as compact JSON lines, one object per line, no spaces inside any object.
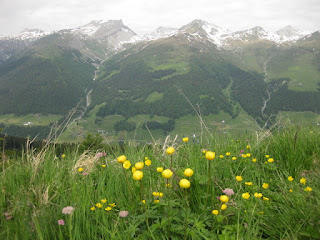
{"x":141,"y":191}
{"x":208,"y":185}
{"x":125,"y":176}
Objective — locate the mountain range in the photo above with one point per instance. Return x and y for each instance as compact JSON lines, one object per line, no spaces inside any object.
{"x":106,"y":65}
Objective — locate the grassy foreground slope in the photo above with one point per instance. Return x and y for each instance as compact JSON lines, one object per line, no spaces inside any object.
{"x":274,"y":181}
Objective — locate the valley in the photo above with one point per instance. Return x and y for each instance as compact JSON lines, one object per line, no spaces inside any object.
{"x":121,"y":83}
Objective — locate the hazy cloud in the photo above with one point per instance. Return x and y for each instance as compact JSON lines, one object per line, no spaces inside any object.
{"x":144,"y":16}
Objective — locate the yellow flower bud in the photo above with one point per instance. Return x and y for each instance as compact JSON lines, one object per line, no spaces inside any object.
{"x":246,"y":195}
{"x":159,"y":169}
{"x":122,"y":159}
{"x":139,"y":165}
{"x":126,"y":164}
{"x":170,"y":150}
{"x":210,"y":155}
{"x":184,"y":183}
{"x":188,"y":172}
{"x":303,"y":181}
{"x":215,"y":212}
{"x":239,"y":178}
{"x":223,"y":207}
{"x":224,"y":198}
{"x":167,"y":173}
{"x":137,"y":175}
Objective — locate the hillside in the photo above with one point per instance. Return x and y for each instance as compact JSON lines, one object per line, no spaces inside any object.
{"x":120,"y":78}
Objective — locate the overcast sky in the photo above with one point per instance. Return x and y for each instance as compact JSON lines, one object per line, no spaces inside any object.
{"x":144,"y":16}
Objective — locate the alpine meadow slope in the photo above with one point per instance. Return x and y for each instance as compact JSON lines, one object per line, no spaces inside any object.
{"x":107,"y":70}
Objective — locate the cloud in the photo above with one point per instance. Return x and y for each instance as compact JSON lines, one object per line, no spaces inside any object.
{"x":144,"y":16}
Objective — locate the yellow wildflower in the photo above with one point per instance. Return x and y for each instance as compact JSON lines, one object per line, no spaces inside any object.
{"x":139,"y":165}
{"x":167,"y":173}
{"x":215,"y":212}
{"x":103,"y":165}
{"x":290,"y":190}
{"x":254,"y":160}
{"x":224,"y":198}
{"x":265,"y":199}
{"x":248,"y":147}
{"x":92,"y":208}
{"x":80,"y":169}
{"x":103,"y":200}
{"x":160,"y":194}
{"x":228,"y":153}
{"x":156,"y":201}
{"x":170,"y":150}
{"x":147,"y":162}
{"x":108,"y":208}
{"x":248,"y":183}
{"x":168,"y":185}
{"x":223,"y":207}
{"x":143,"y":201}
{"x":290,"y":178}
{"x":133,"y":169}
{"x":234,"y":158}
{"x":258,"y":195}
{"x":126,"y":164}
{"x":63,"y":155}
{"x":122,"y":159}
{"x":246,"y":195}
{"x":159,"y":169}
{"x":98,"y":205}
{"x":221,"y":156}
{"x":185,"y":139}
{"x":188,"y":172}
{"x":137,"y":175}
{"x":112,"y":205}
{"x":270,"y":160}
{"x":303,"y":181}
{"x":210,"y":155}
{"x":239,"y":178}
{"x":308,"y":189}
{"x":267,"y":156}
{"x":265,"y":185}
{"x":184,"y":183}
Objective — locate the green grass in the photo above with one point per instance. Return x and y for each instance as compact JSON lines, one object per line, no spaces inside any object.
{"x":301,"y":70}
{"x":154,"y":96}
{"x":38,"y":185}
{"x":35,"y":119}
{"x":308,"y":118}
{"x":185,"y":126}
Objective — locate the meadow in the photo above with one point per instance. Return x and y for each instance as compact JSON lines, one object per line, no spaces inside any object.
{"x":259,"y":185}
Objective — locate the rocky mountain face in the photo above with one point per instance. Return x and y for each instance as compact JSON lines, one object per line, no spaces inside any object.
{"x":10,"y":45}
{"x":108,"y":58}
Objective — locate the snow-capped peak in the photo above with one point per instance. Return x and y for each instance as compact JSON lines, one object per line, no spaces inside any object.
{"x":161,"y":32}
{"x":27,"y":34}
{"x":289,"y":33}
{"x":114,"y":32}
{"x":204,"y":29}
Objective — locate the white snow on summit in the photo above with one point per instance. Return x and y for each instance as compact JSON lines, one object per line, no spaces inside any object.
{"x":161,"y":32}
{"x":27,"y":34}
{"x":89,"y":29}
